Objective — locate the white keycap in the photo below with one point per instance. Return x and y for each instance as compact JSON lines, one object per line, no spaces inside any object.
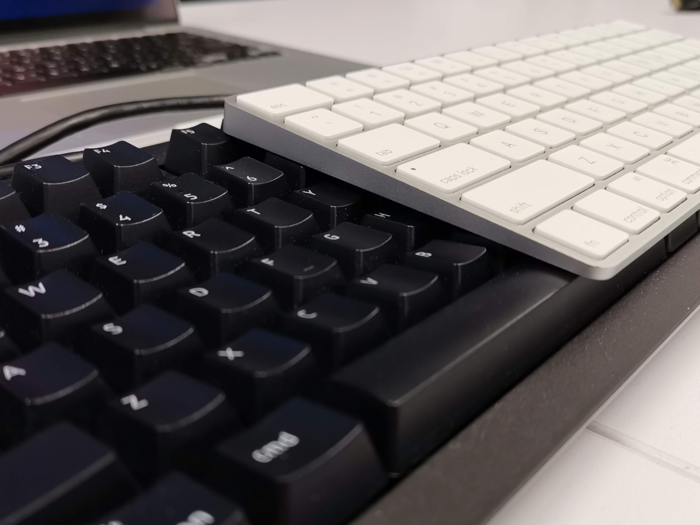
{"x":597,"y":30}
{"x":564,"y":40}
{"x":322,"y":125}
{"x":546,"y":45}
{"x":508,"y":146}
{"x":659,"y":57}
{"x":679,"y":113}
{"x":540,"y":97}
{"x":589,"y":82}
{"x":483,"y":118}
{"x":685,"y":48}
{"x":582,"y":234}
{"x":444,"y":65}
{"x":369,"y":113}
{"x":409,"y":103}
{"x":675,"y":53}
{"x":541,"y":133}
{"x":643,"y":40}
{"x":694,"y":64}
{"x":454,"y":168}
{"x":565,"y":89}
{"x":663,"y":124}
{"x":378,"y":80}
{"x":478,"y":86}
{"x":692,"y":42}
{"x":574,"y":58}
{"x":522,"y":49}
{"x":674,"y":172}
{"x":413,"y":72}
{"x":447,"y":130}
{"x":624,"y":104}
{"x":625,"y":68}
{"x":499,"y":54}
{"x":276,"y":103}
{"x":596,"y":111}
{"x":688,"y":103}
{"x":662,"y":37}
{"x":688,"y":150}
{"x":340,"y":88}
{"x":388,"y":145}
{"x":695,"y":93}
{"x":502,"y":76}
{"x":627,"y":44}
{"x":647,"y":191}
{"x":609,"y":75}
{"x":643,"y":95}
{"x":615,"y":147}
{"x":592,"y":53}
{"x":548,"y":62}
{"x":577,"y":124}
{"x":525,"y":193}
{"x":651,"y":65}
{"x":628,"y":27}
{"x":472,"y":59}
{"x":617,"y":211}
{"x":444,"y":93}
{"x":580,"y":35}
{"x":660,"y":87}
{"x":512,"y":106}
{"x":640,"y":135}
{"x":607,"y":47}
{"x":531,"y":71}
{"x":587,"y":162}
{"x":676,"y":80}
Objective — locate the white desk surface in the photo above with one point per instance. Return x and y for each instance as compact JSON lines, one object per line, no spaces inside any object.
{"x":638,"y":461}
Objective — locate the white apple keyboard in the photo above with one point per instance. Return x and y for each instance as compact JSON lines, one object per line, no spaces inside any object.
{"x":580,"y":148}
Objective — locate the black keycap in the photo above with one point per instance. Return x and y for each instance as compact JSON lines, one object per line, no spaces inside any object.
{"x":43,"y":244}
{"x":407,"y":229}
{"x":462,"y":267}
{"x":141,"y":274}
{"x":276,"y":223}
{"x":53,"y":307}
{"x":121,"y":167}
{"x":139,"y":345}
{"x":260,"y":370}
{"x":358,"y":249}
{"x":55,"y":185}
{"x":189,"y":200}
{"x":8,"y":349}
{"x":405,"y":295}
{"x":177,"y":499}
{"x":62,"y":476}
{"x":332,"y":204}
{"x":12,"y":209}
{"x":297,"y":175}
{"x":304,"y":464}
{"x":214,"y":246}
{"x":338,"y":328}
{"x":161,"y":419}
{"x":198,"y":149}
{"x":249,"y":181}
{"x":122,"y":220}
{"x":295,"y":274}
{"x":44,"y":386}
{"x":226,"y":306}
{"x":4,"y":279}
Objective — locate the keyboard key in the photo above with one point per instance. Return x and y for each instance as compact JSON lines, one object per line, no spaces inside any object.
{"x":411,"y":104}
{"x":189,"y":200}
{"x":214,"y":246}
{"x":388,"y":145}
{"x":341,"y":89}
{"x":587,"y":162}
{"x":121,"y":167}
{"x":249,"y":181}
{"x":54,"y":184}
{"x":276,"y":223}
{"x":261,"y":370}
{"x":497,"y":53}
{"x":43,"y":244}
{"x":616,"y":148}
{"x":447,"y":130}
{"x":687,"y":150}
{"x":676,"y":80}
{"x":322,"y":125}
{"x":630,"y":45}
{"x":607,"y":47}
{"x":508,"y":146}
{"x":444,"y":65}
{"x":406,"y":227}
{"x":501,"y":76}
{"x":550,"y":63}
{"x":276,"y":103}
{"x":640,"y":135}
{"x":561,"y":87}
{"x":481,"y":117}
{"x":140,"y":274}
{"x":622,"y":103}
{"x":609,"y":75}
{"x":12,"y":209}
{"x":592,"y":52}
{"x":657,"y":56}
{"x":636,"y":60}
{"x":295,"y":274}
{"x":473,"y":84}
{"x":297,"y":175}
{"x":42,"y":479}
{"x":357,"y":249}
{"x":330,"y":203}
{"x":198,"y":149}
{"x":379,"y":81}
{"x":53,"y":308}
{"x":678,"y":113}
{"x":626,"y":68}
{"x":581,"y":233}
{"x":574,"y":58}
{"x":133,"y":348}
{"x":541,"y":133}
{"x":461,"y":267}
{"x":454,"y":168}
{"x":8,"y":349}
{"x":569,"y":121}
{"x":660,"y":87}
{"x":564,"y":40}
{"x":596,"y":111}
{"x":647,"y":191}
{"x":583,"y":36}
{"x":540,"y":97}
{"x":413,"y":72}
{"x":663,"y":124}
{"x":122,"y":220}
{"x":525,"y":193}
{"x":292,"y":457}
{"x":688,"y":103}
{"x":521,"y":49}
{"x":369,"y":113}
{"x":674,"y":172}
{"x":642,"y":95}
{"x":621,"y":213}
{"x":542,"y":43}
{"x":166,"y":417}
{"x":510,"y":105}
{"x":444,"y":93}
{"x":586,"y":81}
{"x":473,"y":60}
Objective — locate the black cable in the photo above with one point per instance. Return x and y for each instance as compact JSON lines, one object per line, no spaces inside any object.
{"x":42,"y":138}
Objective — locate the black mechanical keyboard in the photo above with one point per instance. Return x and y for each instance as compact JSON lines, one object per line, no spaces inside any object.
{"x":202,"y":332}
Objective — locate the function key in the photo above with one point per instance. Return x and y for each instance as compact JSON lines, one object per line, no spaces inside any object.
{"x":199,"y":149}
{"x":12,"y":209}
{"x":249,"y":181}
{"x":121,"y":166}
{"x":331,"y":203}
{"x":378,"y":80}
{"x":276,"y":103}
{"x":341,"y":89}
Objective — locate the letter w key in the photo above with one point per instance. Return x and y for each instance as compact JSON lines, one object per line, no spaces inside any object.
{"x":31,"y":290}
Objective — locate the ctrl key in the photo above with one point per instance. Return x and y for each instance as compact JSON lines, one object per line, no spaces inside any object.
{"x":305,"y":464}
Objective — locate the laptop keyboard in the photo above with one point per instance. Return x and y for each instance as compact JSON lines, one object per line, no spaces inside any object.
{"x":23,"y":70}
{"x":578,"y":148}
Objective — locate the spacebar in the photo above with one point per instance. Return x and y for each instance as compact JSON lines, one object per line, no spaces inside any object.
{"x":427,"y":383}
